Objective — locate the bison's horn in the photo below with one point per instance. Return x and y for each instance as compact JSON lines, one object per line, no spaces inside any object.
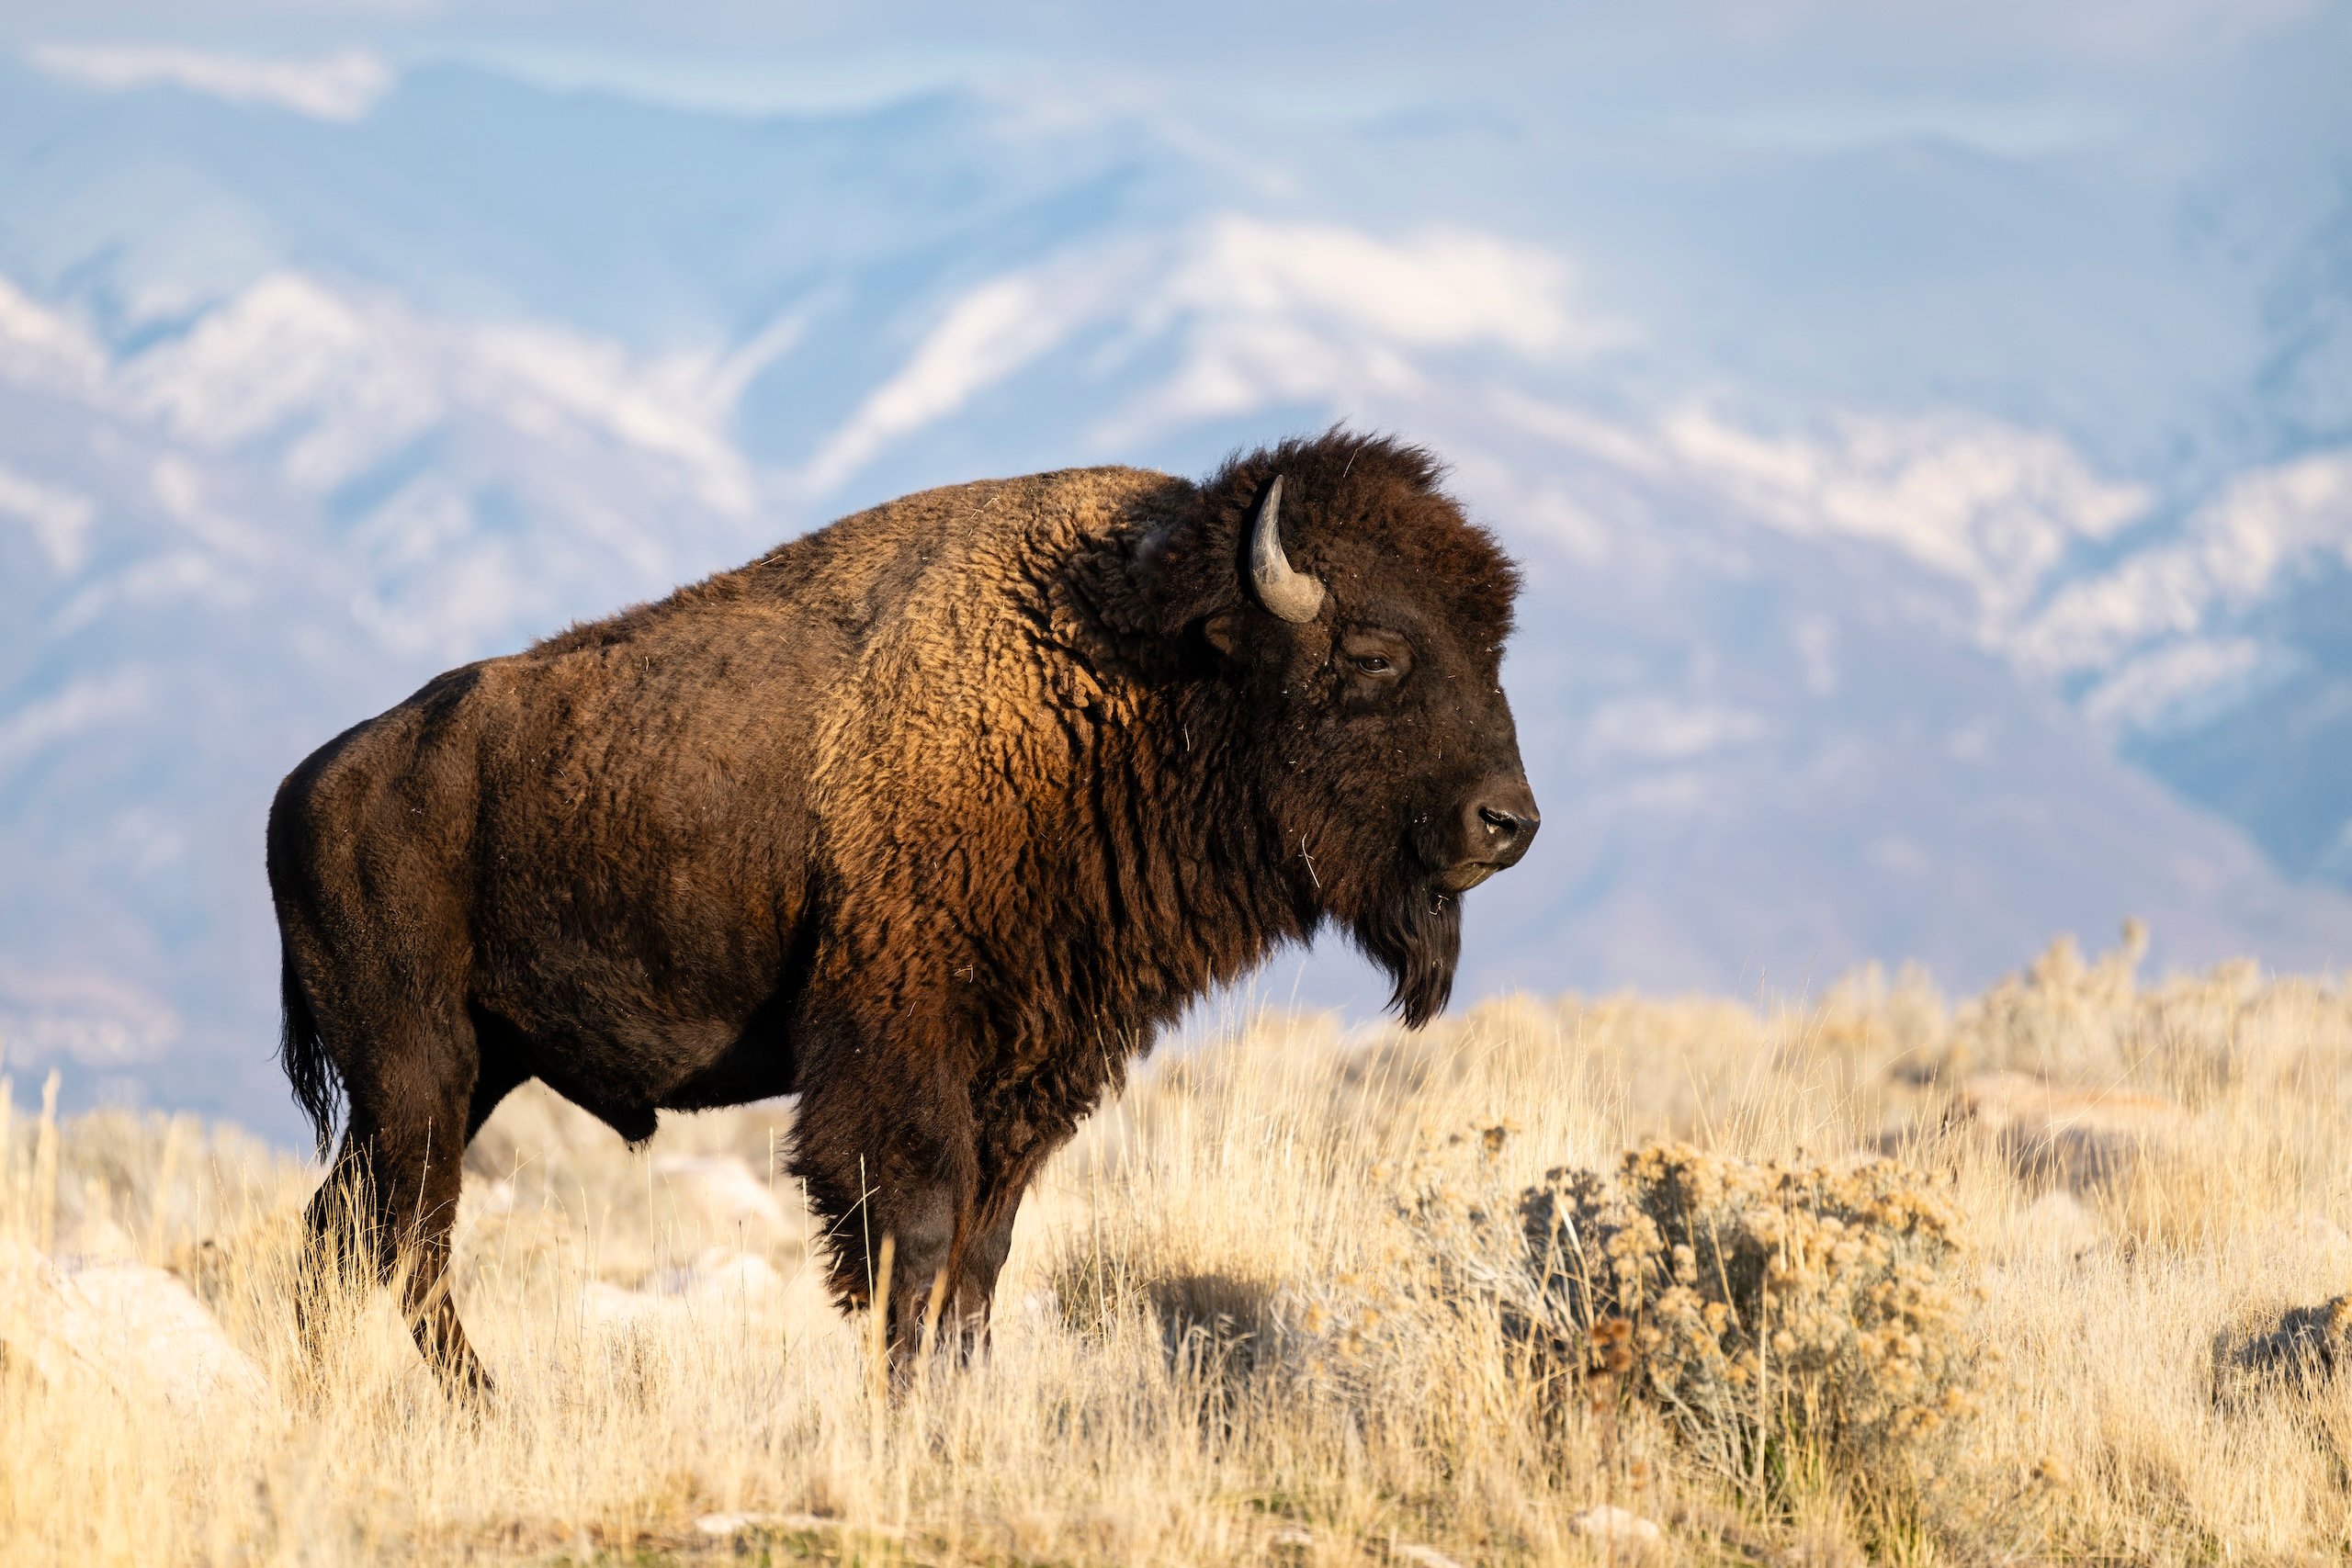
{"x":1293,"y":596}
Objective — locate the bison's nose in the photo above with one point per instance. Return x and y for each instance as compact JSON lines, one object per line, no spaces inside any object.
{"x":1507,"y":831}
{"x":1502,"y":820}
{"x":1498,"y":822}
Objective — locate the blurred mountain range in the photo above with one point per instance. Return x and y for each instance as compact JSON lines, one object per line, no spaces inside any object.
{"x":1930,"y":546}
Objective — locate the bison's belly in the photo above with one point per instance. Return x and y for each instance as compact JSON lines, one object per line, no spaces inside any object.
{"x":640,"y":1009}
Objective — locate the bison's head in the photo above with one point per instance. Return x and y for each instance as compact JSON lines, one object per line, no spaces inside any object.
{"x":1355,"y":620}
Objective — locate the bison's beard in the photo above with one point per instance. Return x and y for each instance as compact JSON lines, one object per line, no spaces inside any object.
{"x":1415,"y":934}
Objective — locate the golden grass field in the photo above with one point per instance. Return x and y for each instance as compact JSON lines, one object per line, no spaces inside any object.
{"x":1276,"y":1305}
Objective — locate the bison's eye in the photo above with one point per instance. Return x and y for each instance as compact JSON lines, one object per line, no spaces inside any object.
{"x":1374,"y":660}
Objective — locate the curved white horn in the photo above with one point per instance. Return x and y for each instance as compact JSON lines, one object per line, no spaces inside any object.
{"x":1292,"y":595}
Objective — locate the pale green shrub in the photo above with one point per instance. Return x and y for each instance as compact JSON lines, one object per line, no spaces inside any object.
{"x":1767,"y":1312}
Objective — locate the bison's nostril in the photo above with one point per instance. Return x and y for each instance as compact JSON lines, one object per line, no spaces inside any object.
{"x":1496,"y":824}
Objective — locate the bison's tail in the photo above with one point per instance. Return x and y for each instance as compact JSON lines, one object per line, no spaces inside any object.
{"x":318,"y":1085}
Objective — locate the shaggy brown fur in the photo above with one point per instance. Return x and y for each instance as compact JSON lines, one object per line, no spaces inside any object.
{"x":932,"y":817}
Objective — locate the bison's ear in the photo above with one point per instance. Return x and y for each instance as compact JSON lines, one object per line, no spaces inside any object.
{"x":1179,"y":585}
{"x":1223,"y":631}
{"x":1169,"y":587}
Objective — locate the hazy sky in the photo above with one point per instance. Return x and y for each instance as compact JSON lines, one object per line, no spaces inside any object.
{"x":2004,"y":67}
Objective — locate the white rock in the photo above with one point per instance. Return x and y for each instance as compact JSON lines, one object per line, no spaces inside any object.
{"x":613,"y":1308}
{"x":128,"y":1322}
{"x":2056,"y":1225}
{"x":482,"y":1198}
{"x":1610,"y":1522}
{"x":1426,"y":1556}
{"x":479,"y":1204}
{"x":98,"y":1237}
{"x":721,"y":1275}
{"x":2318,"y":1231}
{"x":727,"y":1524}
{"x":735,"y":1524}
{"x":718,"y":1195}
{"x":720,"y":1281}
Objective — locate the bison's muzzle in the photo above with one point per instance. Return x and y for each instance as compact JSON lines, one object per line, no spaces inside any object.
{"x":1493,"y":829}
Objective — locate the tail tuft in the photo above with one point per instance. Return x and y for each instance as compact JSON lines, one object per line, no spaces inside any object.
{"x":318,"y":1086}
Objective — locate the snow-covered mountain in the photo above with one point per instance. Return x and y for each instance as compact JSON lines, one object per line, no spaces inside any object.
{"x":303,"y":398}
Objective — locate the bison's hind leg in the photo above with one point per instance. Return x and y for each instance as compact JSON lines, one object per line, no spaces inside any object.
{"x":385,"y":1212}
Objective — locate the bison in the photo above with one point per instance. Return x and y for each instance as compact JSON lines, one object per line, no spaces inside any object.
{"x":931,"y":818}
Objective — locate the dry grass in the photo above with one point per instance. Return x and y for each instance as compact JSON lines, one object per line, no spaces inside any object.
{"x":1234,"y":1328}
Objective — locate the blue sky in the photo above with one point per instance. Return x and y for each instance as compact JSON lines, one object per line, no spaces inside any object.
{"x":2010,"y":74}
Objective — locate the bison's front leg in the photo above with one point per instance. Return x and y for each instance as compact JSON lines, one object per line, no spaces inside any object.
{"x":889,"y":1155}
{"x":1013,"y":1147}
{"x":970,"y":1296}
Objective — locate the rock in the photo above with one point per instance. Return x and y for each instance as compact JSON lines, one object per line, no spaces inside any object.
{"x":1425,"y":1556}
{"x":2304,"y":1348}
{"x":2056,"y":1226}
{"x":2318,"y":1232}
{"x":480,"y":1199}
{"x":129,"y":1323}
{"x":480,"y":1204}
{"x":732,"y":1524}
{"x":1610,"y":1522}
{"x":719,"y":1280}
{"x":721,"y":1275}
{"x":614,"y":1307}
{"x":96,"y":1236}
{"x":727,"y":1526}
{"x":717,"y":1195}
{"x":2081,"y":1136}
